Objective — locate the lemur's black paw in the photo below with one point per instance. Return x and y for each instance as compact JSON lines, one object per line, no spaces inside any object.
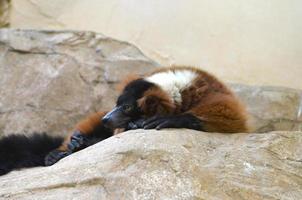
{"x":54,"y":156}
{"x":159,"y":122}
{"x":77,"y":142}
{"x":3,"y":171}
{"x":135,"y":124}
{"x":179,"y":121}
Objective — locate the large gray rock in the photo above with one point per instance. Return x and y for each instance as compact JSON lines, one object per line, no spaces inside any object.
{"x":271,"y":108}
{"x":170,"y":164}
{"x":49,"y":80}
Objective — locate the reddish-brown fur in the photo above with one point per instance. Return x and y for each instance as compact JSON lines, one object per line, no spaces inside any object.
{"x":156,"y":101}
{"x":208,"y":99}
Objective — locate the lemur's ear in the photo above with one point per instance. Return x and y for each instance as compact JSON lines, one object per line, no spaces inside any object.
{"x":156,"y":102}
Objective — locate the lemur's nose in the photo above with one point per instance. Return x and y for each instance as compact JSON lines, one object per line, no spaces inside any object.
{"x":112,"y":118}
{"x":105,"y":120}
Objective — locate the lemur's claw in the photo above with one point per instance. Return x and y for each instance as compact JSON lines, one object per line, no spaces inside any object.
{"x":77,"y":142}
{"x":135,"y":124}
{"x":54,"y":156}
{"x":158,"y":122}
{"x":180,"y":121}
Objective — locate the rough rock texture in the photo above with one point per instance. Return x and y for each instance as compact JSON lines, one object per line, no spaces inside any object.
{"x":170,"y":164}
{"x":271,"y":108}
{"x":49,"y":80}
{"x":4,"y":13}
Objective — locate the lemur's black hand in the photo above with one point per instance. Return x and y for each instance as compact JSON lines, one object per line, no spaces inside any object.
{"x":54,"y":156}
{"x":179,"y":121}
{"x":137,"y":124}
{"x":77,"y":142}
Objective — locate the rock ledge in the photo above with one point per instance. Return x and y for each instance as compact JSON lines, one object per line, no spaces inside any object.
{"x":170,"y":164}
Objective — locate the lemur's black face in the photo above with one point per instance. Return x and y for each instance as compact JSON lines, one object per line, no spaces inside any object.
{"x":122,"y":114}
{"x":127,"y":109}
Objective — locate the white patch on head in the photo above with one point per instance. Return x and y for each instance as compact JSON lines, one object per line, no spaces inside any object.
{"x":173,"y":82}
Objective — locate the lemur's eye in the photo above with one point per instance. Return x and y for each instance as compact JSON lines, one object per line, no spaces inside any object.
{"x":127,"y":108}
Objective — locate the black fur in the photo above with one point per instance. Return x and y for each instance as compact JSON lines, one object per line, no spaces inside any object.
{"x":133,"y":91}
{"x":175,"y":121}
{"x":188,"y":121}
{"x":20,"y":151}
{"x":126,"y":109}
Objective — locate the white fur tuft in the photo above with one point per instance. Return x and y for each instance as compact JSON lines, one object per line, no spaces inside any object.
{"x":173,"y":82}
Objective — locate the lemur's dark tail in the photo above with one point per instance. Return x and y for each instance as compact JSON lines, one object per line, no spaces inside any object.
{"x":20,"y":151}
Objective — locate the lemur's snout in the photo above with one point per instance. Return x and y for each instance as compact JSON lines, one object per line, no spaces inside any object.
{"x":115,"y":118}
{"x":105,"y":120}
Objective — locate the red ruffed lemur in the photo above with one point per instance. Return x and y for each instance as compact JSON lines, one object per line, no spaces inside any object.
{"x":172,"y":97}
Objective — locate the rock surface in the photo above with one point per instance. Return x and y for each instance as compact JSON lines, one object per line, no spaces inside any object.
{"x":4,"y":13}
{"x":271,"y":108}
{"x":187,"y":165}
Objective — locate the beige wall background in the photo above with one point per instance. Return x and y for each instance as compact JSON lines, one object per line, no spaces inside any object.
{"x":255,"y":42}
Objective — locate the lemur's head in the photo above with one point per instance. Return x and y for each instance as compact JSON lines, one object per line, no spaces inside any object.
{"x":138,"y":99}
